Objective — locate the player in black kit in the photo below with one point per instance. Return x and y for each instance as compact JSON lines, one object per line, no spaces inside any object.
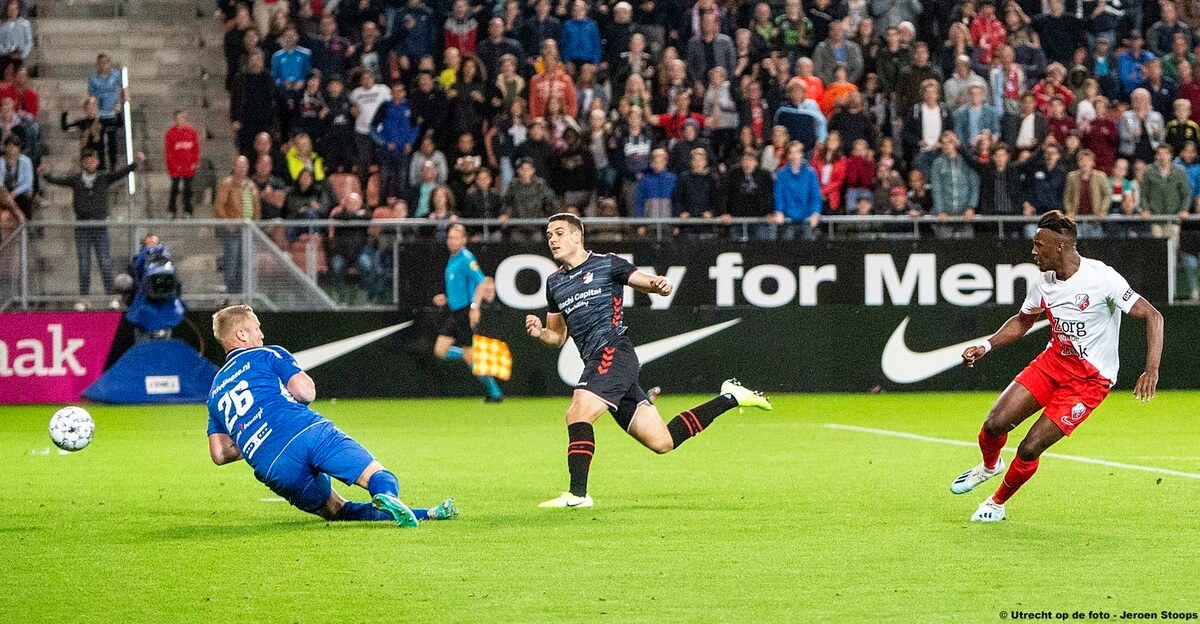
{"x":584,"y":300}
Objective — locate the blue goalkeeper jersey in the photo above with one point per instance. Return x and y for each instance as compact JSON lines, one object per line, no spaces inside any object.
{"x":250,"y":403}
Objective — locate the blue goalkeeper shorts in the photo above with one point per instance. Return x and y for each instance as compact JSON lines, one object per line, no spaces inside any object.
{"x":301,"y":474}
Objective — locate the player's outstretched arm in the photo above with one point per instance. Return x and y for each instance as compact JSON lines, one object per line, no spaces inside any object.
{"x":1012,"y":330}
{"x":303,"y":388}
{"x":553,"y":334}
{"x":650,"y":284}
{"x":1147,"y":383}
{"x":222,"y":449}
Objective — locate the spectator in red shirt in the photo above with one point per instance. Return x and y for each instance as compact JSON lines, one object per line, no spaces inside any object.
{"x":1102,"y":137}
{"x":672,"y":123}
{"x":461,"y":29}
{"x":21,"y":93}
{"x":860,"y":173}
{"x":552,"y":81}
{"x":182,"y":149}
{"x":1059,"y":121}
{"x":987,"y":32}
{"x":1051,"y":87}
{"x":830,"y":165}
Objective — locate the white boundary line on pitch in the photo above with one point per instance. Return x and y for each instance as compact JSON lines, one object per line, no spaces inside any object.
{"x":1075,"y":458}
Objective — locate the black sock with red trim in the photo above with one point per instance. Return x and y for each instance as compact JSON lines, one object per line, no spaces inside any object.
{"x":580,"y":449}
{"x":690,"y":423}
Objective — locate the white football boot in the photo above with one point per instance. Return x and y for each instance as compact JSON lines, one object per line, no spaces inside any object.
{"x":989,"y":511}
{"x":568,"y":499}
{"x":744,"y":396}
{"x":975,"y":477}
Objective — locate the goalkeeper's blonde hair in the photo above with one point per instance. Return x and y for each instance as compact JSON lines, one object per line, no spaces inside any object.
{"x":226,"y":321}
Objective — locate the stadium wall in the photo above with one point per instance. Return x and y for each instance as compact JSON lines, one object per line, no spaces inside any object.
{"x":920,"y":273}
{"x":843,"y":316}
{"x":835,"y":348}
{"x":811,"y":317}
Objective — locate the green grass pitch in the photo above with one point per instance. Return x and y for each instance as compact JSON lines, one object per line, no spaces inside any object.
{"x":763,"y":518}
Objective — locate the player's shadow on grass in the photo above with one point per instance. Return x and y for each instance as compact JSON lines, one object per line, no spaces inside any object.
{"x":22,"y":529}
{"x":639,"y":506}
{"x":217,"y":530}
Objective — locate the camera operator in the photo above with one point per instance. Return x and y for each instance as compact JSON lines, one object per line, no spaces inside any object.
{"x":156,"y":307}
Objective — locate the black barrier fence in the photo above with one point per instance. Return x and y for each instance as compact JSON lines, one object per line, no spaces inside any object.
{"x":831,"y":348}
{"x":808,"y":316}
{"x":926,"y":274}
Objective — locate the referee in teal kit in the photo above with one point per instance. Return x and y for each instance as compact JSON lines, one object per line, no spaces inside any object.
{"x":462,"y":301}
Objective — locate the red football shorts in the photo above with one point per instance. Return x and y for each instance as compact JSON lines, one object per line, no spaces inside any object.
{"x":1067,"y":387}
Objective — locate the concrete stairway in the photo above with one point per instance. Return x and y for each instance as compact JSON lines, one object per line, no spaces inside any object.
{"x":173,"y":51}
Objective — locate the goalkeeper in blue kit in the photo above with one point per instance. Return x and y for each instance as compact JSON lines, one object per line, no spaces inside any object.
{"x":258,"y":411}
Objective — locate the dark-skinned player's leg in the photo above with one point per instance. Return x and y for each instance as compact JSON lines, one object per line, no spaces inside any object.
{"x":1013,"y":407}
{"x":1042,"y":435}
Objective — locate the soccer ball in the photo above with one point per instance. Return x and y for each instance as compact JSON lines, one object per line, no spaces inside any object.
{"x":71,"y":428}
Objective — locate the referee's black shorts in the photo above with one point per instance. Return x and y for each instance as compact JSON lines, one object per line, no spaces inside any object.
{"x":612,"y":375}
{"x":457,"y":325}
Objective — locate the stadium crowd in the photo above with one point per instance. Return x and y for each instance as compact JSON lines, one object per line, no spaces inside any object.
{"x":20,"y":134}
{"x":783,"y":111}
{"x":780,"y":111}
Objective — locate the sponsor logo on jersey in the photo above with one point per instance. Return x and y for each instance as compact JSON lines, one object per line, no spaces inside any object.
{"x":1071,"y":329}
{"x":1082,"y":302}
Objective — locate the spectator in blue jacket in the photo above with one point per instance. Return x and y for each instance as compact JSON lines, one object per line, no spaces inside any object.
{"x":797,"y":196}
{"x":1189,"y":159}
{"x":1131,"y":62}
{"x":971,"y":120}
{"x":16,"y":174}
{"x":291,"y":64}
{"x":1047,"y":183}
{"x":580,"y":37}
{"x":417,"y":30}
{"x":655,"y":189}
{"x":801,"y":116}
{"x":16,"y":39}
{"x":395,"y":134}
{"x":955,"y":185}
{"x":105,"y":86}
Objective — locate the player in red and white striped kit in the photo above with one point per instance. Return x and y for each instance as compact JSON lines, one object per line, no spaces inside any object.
{"x":1083,"y":299}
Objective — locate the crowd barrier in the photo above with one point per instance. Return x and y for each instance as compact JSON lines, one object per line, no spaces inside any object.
{"x":339,"y":265}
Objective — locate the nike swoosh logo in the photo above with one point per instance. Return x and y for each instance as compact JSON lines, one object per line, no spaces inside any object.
{"x":309,"y":359}
{"x":570,"y":364}
{"x":904,"y":366}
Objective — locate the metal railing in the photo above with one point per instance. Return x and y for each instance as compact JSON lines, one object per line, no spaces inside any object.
{"x":335,"y":264}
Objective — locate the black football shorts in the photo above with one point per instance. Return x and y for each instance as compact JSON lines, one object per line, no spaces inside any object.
{"x":612,"y":375}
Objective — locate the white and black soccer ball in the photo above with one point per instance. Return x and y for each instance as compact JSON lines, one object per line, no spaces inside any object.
{"x":71,"y":428}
